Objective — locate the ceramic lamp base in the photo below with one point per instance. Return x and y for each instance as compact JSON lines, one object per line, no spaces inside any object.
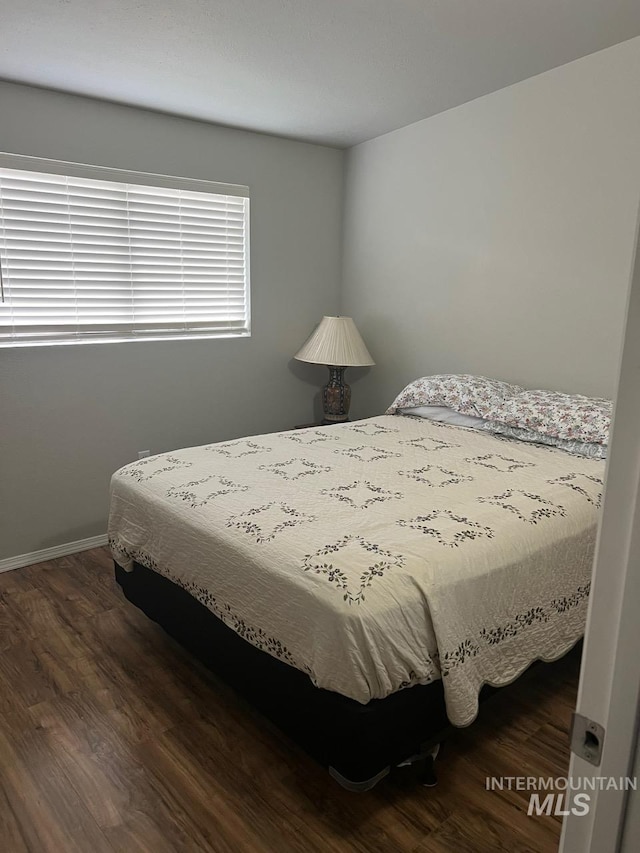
{"x":336,"y":397}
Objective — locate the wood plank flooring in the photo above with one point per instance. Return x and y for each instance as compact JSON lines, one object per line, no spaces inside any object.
{"x":113,"y":739}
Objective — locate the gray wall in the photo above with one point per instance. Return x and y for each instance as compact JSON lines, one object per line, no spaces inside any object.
{"x":71,"y":415}
{"x":496,"y":238}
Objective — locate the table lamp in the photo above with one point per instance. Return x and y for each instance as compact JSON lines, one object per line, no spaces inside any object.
{"x":337,"y":343}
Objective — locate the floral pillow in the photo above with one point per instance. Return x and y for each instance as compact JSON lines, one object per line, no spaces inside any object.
{"x":568,"y":416}
{"x":579,"y":448}
{"x":469,"y":395}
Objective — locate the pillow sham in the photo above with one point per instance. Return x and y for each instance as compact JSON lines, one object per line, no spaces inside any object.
{"x":444,"y":415}
{"x":571,"y":417}
{"x":469,"y":395}
{"x":591,"y":450}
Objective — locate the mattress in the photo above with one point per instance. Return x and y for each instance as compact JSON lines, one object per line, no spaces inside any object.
{"x":375,"y":555}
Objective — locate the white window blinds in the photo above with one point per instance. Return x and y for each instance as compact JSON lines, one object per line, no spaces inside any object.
{"x":88,"y":259}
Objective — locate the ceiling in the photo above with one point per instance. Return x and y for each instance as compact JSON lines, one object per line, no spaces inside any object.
{"x":335,"y":72}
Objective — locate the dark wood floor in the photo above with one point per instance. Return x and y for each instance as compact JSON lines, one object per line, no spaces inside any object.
{"x":113,"y":739}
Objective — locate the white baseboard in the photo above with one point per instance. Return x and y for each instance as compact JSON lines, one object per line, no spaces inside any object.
{"x":51,"y":553}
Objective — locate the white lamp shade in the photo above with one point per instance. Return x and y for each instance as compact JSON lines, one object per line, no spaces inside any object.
{"x":337,"y":343}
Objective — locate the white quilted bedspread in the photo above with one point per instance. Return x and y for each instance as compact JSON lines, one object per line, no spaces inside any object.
{"x":377,"y":554}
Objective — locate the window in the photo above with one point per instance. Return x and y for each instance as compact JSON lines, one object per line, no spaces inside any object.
{"x":92,"y":254}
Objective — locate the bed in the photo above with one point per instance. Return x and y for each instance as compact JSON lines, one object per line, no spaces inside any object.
{"x":363,"y":584}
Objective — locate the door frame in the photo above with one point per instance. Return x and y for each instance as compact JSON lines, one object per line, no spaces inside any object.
{"x":609,"y":689}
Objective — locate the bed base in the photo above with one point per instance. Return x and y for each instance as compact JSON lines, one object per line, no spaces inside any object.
{"x":358,"y":744}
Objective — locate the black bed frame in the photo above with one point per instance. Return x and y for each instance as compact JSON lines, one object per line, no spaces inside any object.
{"x":357,"y":743}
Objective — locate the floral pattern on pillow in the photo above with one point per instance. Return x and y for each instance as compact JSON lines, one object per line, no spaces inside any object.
{"x":590,"y":450}
{"x":469,"y":395}
{"x":568,"y":416}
